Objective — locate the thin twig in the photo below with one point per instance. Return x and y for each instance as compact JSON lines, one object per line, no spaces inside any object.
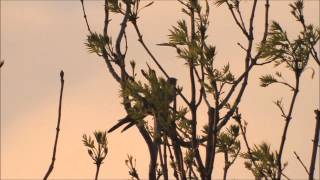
{"x":299,"y":159}
{"x":85,"y":17}
{"x":57,"y":129}
{"x":140,"y":39}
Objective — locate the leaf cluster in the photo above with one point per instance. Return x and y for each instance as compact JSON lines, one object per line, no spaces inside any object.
{"x":266,"y":80}
{"x":153,"y":98}
{"x":297,"y":10}
{"x":131,"y":164}
{"x":97,"y":152}
{"x":265,"y":159}
{"x":229,"y":145}
{"x":116,"y":6}
{"x":96,"y":43}
{"x":295,"y":54}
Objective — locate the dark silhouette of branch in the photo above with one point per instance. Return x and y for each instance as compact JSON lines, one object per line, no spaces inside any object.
{"x":313,"y":52}
{"x":140,"y":39}
{"x":287,"y":122}
{"x":163,"y":163}
{"x":245,"y":75}
{"x":165,"y":159}
{"x":212,"y":140}
{"x":97,"y":153}
{"x":175,"y":171}
{"x":192,"y":103}
{"x":1,"y":63}
{"x":57,"y":129}
{"x":132,"y":167}
{"x":299,"y":159}
{"x":174,"y":134}
{"x":243,"y":129}
{"x":85,"y":16}
{"x":315,"y":145}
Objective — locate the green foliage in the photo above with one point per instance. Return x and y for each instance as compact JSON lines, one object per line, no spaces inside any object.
{"x":209,"y":54}
{"x":277,"y":46}
{"x":97,"y":153}
{"x":265,"y":159}
{"x":227,"y":141}
{"x":131,"y":164}
{"x":225,"y":76}
{"x":153,"y":98}
{"x":96,"y":43}
{"x":115,"y":6}
{"x":266,"y":80}
{"x":297,"y":10}
{"x":311,"y":34}
{"x":179,"y":34}
{"x":189,"y":158}
{"x":229,"y":145}
{"x":294,"y":54}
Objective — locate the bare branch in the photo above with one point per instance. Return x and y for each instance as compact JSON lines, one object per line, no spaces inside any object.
{"x":57,"y":130}
{"x":303,"y":165}
{"x":85,"y":16}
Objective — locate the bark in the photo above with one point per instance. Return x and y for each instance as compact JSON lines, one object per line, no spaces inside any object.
{"x":315,"y":145}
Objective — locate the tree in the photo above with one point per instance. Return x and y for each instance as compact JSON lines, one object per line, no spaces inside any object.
{"x":152,"y":103}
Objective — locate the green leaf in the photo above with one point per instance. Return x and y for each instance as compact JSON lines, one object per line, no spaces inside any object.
{"x":266,"y":80}
{"x":96,"y":43}
{"x":179,"y":34}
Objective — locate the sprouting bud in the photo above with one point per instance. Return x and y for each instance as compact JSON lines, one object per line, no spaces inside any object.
{"x":133,"y":64}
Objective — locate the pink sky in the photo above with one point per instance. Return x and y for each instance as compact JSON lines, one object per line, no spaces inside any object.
{"x":39,"y":38}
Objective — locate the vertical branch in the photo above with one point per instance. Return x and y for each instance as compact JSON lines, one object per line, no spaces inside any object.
{"x":106,"y":18}
{"x":192,"y":104}
{"x":57,"y":129}
{"x":97,"y":172}
{"x":287,"y":122}
{"x":245,"y":75}
{"x":226,"y":166}
{"x":174,"y":135}
{"x":165,"y":159}
{"x":211,"y":143}
{"x":175,"y":171}
{"x":315,"y":145}
{"x":161,"y":163}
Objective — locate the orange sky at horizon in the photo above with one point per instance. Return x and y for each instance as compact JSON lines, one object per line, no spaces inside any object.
{"x":39,"y":38}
